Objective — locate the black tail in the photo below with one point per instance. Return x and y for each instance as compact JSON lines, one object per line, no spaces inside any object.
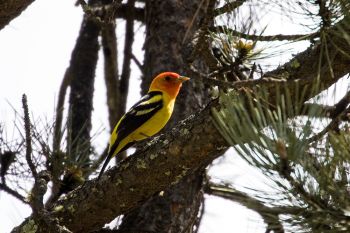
{"x":110,"y":155}
{"x":105,"y":165}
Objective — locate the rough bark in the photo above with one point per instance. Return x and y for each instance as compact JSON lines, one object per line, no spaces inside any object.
{"x":10,"y":9}
{"x":166,"y":49}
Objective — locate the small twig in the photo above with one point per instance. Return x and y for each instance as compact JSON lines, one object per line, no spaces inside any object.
{"x":331,"y":126}
{"x":228,"y":7}
{"x":28,"y":137}
{"x":137,"y":62}
{"x":338,"y":112}
{"x":251,"y":74}
{"x":277,"y":37}
{"x":12,"y":192}
{"x":207,"y":78}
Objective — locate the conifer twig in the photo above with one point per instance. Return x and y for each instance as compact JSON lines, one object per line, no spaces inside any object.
{"x":277,"y":37}
{"x":268,"y":214}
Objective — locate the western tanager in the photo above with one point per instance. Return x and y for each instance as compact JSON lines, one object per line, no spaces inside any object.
{"x":148,"y":116}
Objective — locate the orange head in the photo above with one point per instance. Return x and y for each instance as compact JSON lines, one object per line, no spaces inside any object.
{"x":168,"y":82}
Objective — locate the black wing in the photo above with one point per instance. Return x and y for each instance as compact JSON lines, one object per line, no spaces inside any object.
{"x":138,"y":114}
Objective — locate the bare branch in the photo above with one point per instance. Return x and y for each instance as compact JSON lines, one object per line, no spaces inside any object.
{"x":137,"y":62}
{"x":106,"y":13}
{"x":122,"y":12}
{"x":109,"y":44}
{"x":125,"y":75}
{"x":9,"y":10}
{"x":278,"y":37}
{"x":266,"y":81}
{"x":59,"y":112}
{"x":28,"y":136}
{"x":339,"y":112}
{"x":229,"y":7}
{"x":13,"y":193}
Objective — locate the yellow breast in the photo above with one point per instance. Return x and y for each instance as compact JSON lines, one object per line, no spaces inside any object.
{"x":153,"y":125}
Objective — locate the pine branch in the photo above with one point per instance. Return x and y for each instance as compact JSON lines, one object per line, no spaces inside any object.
{"x":264,"y":81}
{"x":268,"y":214}
{"x":277,"y":37}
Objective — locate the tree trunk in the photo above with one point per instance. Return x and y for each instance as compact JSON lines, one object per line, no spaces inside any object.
{"x":170,"y":26}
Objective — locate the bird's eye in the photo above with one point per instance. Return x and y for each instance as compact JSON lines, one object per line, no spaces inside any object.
{"x":167,"y":78}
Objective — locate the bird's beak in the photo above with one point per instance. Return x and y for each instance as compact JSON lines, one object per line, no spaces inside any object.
{"x":183,"y":79}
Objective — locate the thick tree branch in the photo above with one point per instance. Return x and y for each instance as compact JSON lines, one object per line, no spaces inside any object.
{"x":139,"y":13}
{"x":173,"y":156}
{"x":10,"y":9}
{"x":194,"y":143}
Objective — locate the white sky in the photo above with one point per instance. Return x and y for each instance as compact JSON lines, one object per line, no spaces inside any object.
{"x":35,"y":52}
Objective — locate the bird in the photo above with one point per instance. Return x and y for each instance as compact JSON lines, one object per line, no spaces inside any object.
{"x":147,"y":116}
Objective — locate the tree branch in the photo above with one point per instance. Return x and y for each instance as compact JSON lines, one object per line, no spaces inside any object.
{"x":125,"y":75}
{"x":338,"y":113}
{"x":12,"y":192}
{"x":228,"y":7}
{"x":10,"y":9}
{"x":192,"y":144}
{"x":28,"y":137}
{"x":264,"y":81}
{"x":173,"y":155}
{"x":111,"y":73}
{"x":277,"y":37}
{"x":139,"y":13}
